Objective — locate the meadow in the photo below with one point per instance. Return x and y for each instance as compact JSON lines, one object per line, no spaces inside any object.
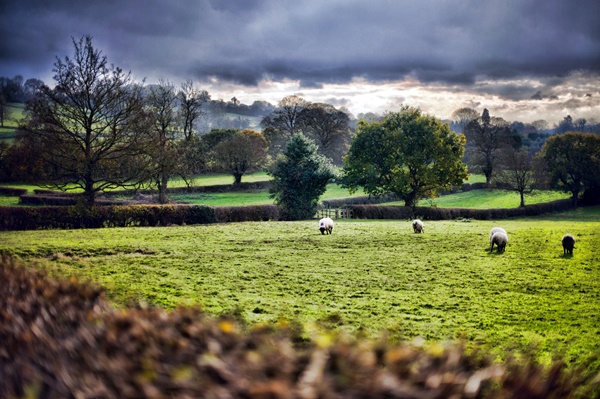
{"x":480,"y":199}
{"x":368,"y":277}
{"x":14,"y":114}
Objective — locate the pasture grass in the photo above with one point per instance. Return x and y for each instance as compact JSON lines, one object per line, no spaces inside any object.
{"x":250,"y":197}
{"x":365,"y":278}
{"x":489,"y":198}
{"x":11,"y":121}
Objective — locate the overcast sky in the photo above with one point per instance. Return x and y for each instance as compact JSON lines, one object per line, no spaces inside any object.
{"x":522,"y":59}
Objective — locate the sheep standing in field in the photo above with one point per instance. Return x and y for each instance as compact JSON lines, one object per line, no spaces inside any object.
{"x":418,"y":226}
{"x":326,"y":225}
{"x":568,"y":243}
{"x":496,"y":230}
{"x":500,"y":239}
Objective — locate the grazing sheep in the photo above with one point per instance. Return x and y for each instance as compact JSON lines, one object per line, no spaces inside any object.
{"x":418,"y":226}
{"x":568,"y":243}
{"x":326,"y":225}
{"x":496,"y":230}
{"x":500,"y":239}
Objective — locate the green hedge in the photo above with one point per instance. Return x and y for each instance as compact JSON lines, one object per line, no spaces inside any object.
{"x":12,"y":192}
{"x":433,"y":213}
{"x":73,"y":217}
{"x":226,"y":214}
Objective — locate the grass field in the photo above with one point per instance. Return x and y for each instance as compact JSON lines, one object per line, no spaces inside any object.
{"x":486,"y":198}
{"x":14,"y":114}
{"x":480,"y":199}
{"x":367,"y":277}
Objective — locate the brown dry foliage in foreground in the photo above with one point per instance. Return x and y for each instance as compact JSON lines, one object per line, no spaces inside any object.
{"x":60,"y":338}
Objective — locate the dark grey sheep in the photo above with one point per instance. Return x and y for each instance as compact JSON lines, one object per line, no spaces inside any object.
{"x":568,"y":243}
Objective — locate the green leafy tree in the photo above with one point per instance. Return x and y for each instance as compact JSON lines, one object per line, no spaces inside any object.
{"x":409,"y":154}
{"x":570,"y":162}
{"x":87,"y":130}
{"x":300,"y":178}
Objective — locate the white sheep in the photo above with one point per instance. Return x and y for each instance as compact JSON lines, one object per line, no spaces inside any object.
{"x":418,"y":226}
{"x":500,"y":239}
{"x":326,"y":225}
{"x":496,"y":230}
{"x":568,"y":243}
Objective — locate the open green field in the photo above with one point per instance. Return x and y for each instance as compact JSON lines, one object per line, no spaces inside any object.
{"x":14,"y":114}
{"x":368,"y":276}
{"x":488,"y":198}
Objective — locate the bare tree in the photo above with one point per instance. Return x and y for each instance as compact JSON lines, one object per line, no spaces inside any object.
{"x":461,"y":118}
{"x":191,"y":101}
{"x":516,"y":172}
{"x":87,"y":129}
{"x":162,"y":106}
{"x":485,"y":137}
{"x":329,"y":128}
{"x":283,"y":122}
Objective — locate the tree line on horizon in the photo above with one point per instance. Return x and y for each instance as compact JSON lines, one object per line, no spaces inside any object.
{"x":97,"y":129}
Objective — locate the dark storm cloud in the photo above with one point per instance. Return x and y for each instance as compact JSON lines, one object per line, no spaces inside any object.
{"x":314,"y":42}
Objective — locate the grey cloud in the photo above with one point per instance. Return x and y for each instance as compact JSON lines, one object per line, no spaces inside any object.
{"x":316,"y":42}
{"x":537,"y":96}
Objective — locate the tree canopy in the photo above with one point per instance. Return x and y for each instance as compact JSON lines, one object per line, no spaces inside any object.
{"x":87,"y":130}
{"x":486,"y":136}
{"x":243,"y":152}
{"x":409,"y":154}
{"x":516,"y":172}
{"x":300,"y":177}
{"x":571,"y":162}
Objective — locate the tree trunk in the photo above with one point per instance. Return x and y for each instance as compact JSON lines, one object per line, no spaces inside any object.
{"x":237,"y":178}
{"x":575,"y":198}
{"x":89,"y":194}
{"x":488,"y":176}
{"x":410,"y":199}
{"x":522,"y":199}
{"x":162,"y":188}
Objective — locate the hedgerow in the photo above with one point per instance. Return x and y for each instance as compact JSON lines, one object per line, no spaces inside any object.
{"x":12,"y":192}
{"x":262,"y":213}
{"x":60,"y":338}
{"x":433,"y":213}
{"x":75,"y":217}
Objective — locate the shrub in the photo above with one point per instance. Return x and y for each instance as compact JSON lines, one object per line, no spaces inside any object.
{"x":75,"y":217}
{"x":12,"y":192}
{"x":256,"y":213}
{"x":433,"y":213}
